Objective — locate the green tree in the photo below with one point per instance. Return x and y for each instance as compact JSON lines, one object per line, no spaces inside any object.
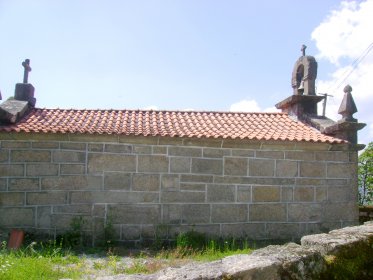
{"x":365,"y":176}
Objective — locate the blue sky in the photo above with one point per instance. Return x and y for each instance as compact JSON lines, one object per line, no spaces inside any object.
{"x":176,"y":55}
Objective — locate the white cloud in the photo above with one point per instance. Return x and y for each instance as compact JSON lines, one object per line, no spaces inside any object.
{"x":250,"y":106}
{"x":245,"y":106}
{"x":343,"y":39}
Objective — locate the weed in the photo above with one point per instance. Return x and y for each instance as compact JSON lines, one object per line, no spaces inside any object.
{"x":191,"y":240}
{"x":109,"y":232}
{"x":74,"y":237}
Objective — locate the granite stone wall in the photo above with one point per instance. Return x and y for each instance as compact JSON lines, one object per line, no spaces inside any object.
{"x":155,"y":187}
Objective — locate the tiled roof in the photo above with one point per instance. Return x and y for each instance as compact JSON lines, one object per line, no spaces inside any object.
{"x":256,"y":126}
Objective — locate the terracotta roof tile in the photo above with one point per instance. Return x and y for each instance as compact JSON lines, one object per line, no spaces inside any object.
{"x":255,"y":126}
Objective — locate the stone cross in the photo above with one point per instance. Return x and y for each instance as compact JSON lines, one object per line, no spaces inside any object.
{"x":26,"y":65}
{"x":303,"y":49}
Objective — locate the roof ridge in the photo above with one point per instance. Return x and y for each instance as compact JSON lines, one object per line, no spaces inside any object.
{"x":165,"y":111}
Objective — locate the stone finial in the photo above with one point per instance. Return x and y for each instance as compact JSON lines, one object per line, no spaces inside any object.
{"x":26,"y":65}
{"x":348,"y":107}
{"x":303,"y":49}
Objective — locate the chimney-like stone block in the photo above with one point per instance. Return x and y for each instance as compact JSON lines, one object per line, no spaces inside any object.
{"x":12,"y":110}
{"x":25,"y":92}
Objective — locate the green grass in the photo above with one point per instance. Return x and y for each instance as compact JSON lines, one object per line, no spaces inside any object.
{"x":37,"y":261}
{"x":51,"y":260}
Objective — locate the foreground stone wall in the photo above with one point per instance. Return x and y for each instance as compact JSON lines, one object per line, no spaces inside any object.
{"x":342,"y":254}
{"x":154,"y":187}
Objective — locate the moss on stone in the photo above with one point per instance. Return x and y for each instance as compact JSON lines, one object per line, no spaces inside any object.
{"x":354,"y":262}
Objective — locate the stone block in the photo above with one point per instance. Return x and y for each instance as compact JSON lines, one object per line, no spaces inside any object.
{"x":275,"y":212}
{"x":72,"y":182}
{"x":195,"y":213}
{"x":146,"y":140}
{"x":174,"y":141}
{"x":44,"y":214}
{"x":3,"y":184}
{"x":300,"y":155}
{"x":310,"y":182}
{"x":145,"y":182}
{"x":118,"y":148}
{"x":99,"y":210}
{"x":43,"y":169}
{"x":207,"y":166}
{"x":215,"y":153}
{"x":72,"y":169}
{"x":159,"y":150}
{"x":134,"y":214}
{"x":11,"y":170}
{"x":261,"y":167}
{"x":153,"y":163}
{"x":147,"y":150}
{"x":243,"y":153}
{"x":185,"y":151}
{"x":283,"y":231}
{"x":4,"y":155}
{"x":85,"y":197}
{"x":321,"y":194}
{"x":254,"y":180}
{"x":45,"y":145}
{"x":269,"y":154}
{"x":12,"y":110}
{"x":68,"y":156}
{"x":339,"y":182}
{"x":353,"y":157}
{"x":193,"y":187}
{"x":196,"y":178}
{"x":341,"y":211}
{"x":341,"y":194}
{"x":30,"y":156}
{"x":202,"y":142}
{"x":278,"y":146}
{"x":12,"y":199}
{"x":239,"y":144}
{"x":171,"y":213}
{"x":46,"y":198}
{"x":304,"y":194}
{"x":221,"y":193}
{"x":287,"y":194}
{"x":266,"y":194}
{"x":312,"y":169}
{"x":83,"y":209}
{"x":117,"y":181}
{"x":243,"y":193}
{"x":229,"y":213}
{"x":24,"y":184}
{"x":15,"y":144}
{"x":210,"y":230}
{"x":235,"y":166}
{"x":17,"y":217}
{"x":341,"y":170}
{"x":111,"y":162}
{"x":65,"y":221}
{"x":312,"y":146}
{"x":304,"y":212}
{"x":332,"y":156}
{"x":182,"y":197}
{"x":95,"y":147}
{"x":170,"y":182}
{"x":286,"y":168}
{"x":77,"y":137}
{"x":253,"y":231}
{"x":130,"y":232}
{"x":180,"y":165}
